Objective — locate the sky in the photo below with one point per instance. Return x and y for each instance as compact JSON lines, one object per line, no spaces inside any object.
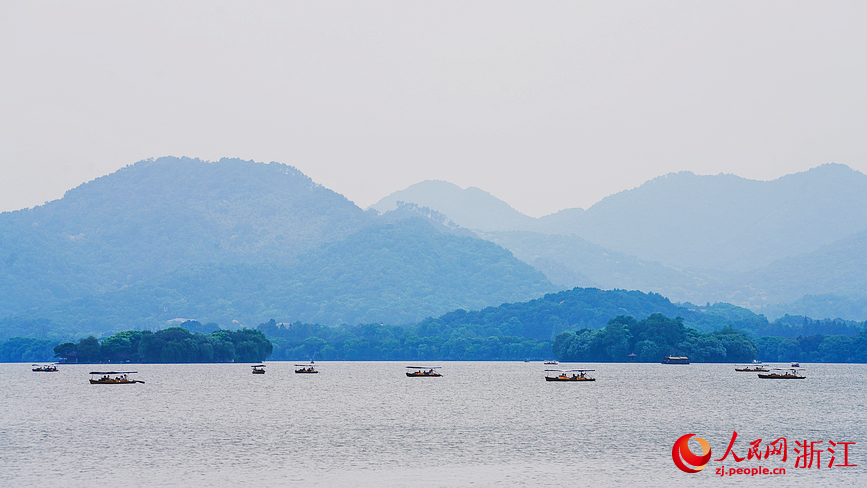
{"x":545,"y":105}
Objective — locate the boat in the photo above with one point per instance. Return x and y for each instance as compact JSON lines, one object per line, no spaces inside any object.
{"x":306,"y":368}
{"x":751,"y":368}
{"x":552,"y":361}
{"x":787,"y":374}
{"x":796,"y":364}
{"x":564,"y":375}
{"x":423,"y":371}
{"x":48,"y":368}
{"x":675,"y":360}
{"x":259,"y":369}
{"x":120,"y":378}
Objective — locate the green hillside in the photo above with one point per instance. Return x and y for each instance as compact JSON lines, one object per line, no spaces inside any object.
{"x":235,"y":242}
{"x":580,"y":319}
{"x":393,"y":273}
{"x":156,"y":216}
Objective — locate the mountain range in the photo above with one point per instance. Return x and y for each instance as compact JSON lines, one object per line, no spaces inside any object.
{"x":238,"y":243}
{"x":758,"y":244}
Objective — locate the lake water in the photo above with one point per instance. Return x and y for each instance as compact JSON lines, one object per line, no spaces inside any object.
{"x":365,"y":424}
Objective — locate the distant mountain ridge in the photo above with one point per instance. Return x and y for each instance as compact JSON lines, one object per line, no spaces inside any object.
{"x":730,"y":223}
{"x":237,"y":242}
{"x":690,"y":237}
{"x":720,"y":222}
{"x":471,"y":208}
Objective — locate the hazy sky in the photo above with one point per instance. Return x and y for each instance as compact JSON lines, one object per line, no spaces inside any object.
{"x":546,"y":105}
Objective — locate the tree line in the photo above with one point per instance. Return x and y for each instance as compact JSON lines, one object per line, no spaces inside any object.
{"x":364,"y":342}
{"x":651,"y":339}
{"x":171,"y":345}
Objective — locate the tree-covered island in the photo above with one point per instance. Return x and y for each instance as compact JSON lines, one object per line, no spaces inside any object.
{"x":171,"y":345}
{"x":648,"y":340}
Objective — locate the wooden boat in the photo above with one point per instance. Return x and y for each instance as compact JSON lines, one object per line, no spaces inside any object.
{"x":423,"y":372}
{"x":675,"y":360}
{"x":790,"y":374}
{"x":259,"y":369}
{"x":120,"y":378}
{"x":48,"y":368}
{"x":306,"y":368}
{"x":751,"y":369}
{"x":577,"y":375}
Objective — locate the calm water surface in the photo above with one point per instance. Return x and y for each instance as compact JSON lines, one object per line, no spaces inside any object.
{"x":365,"y":424}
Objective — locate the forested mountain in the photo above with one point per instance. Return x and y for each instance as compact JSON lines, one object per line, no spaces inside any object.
{"x":236,"y":242}
{"x":155,"y":216}
{"x":394,"y":273}
{"x":579,"y":308}
{"x":512,"y":330}
{"x":701,"y":238}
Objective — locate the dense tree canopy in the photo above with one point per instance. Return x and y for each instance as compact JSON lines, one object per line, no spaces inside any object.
{"x":172,"y":345}
{"x":651,"y":339}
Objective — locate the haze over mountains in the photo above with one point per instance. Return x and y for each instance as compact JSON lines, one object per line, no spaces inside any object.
{"x":238,"y":243}
{"x":692,"y":238}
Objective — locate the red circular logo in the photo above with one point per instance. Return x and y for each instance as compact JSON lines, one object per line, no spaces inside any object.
{"x":684,"y":458}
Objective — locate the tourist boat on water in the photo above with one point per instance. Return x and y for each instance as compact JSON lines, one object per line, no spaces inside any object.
{"x":675,"y":360}
{"x":783,"y":374}
{"x":552,"y":361}
{"x":259,"y":369}
{"x":564,"y":375}
{"x":755,"y":368}
{"x":48,"y":368}
{"x":423,"y":371}
{"x":796,"y":364}
{"x":120,"y":378}
{"x":306,"y":368}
